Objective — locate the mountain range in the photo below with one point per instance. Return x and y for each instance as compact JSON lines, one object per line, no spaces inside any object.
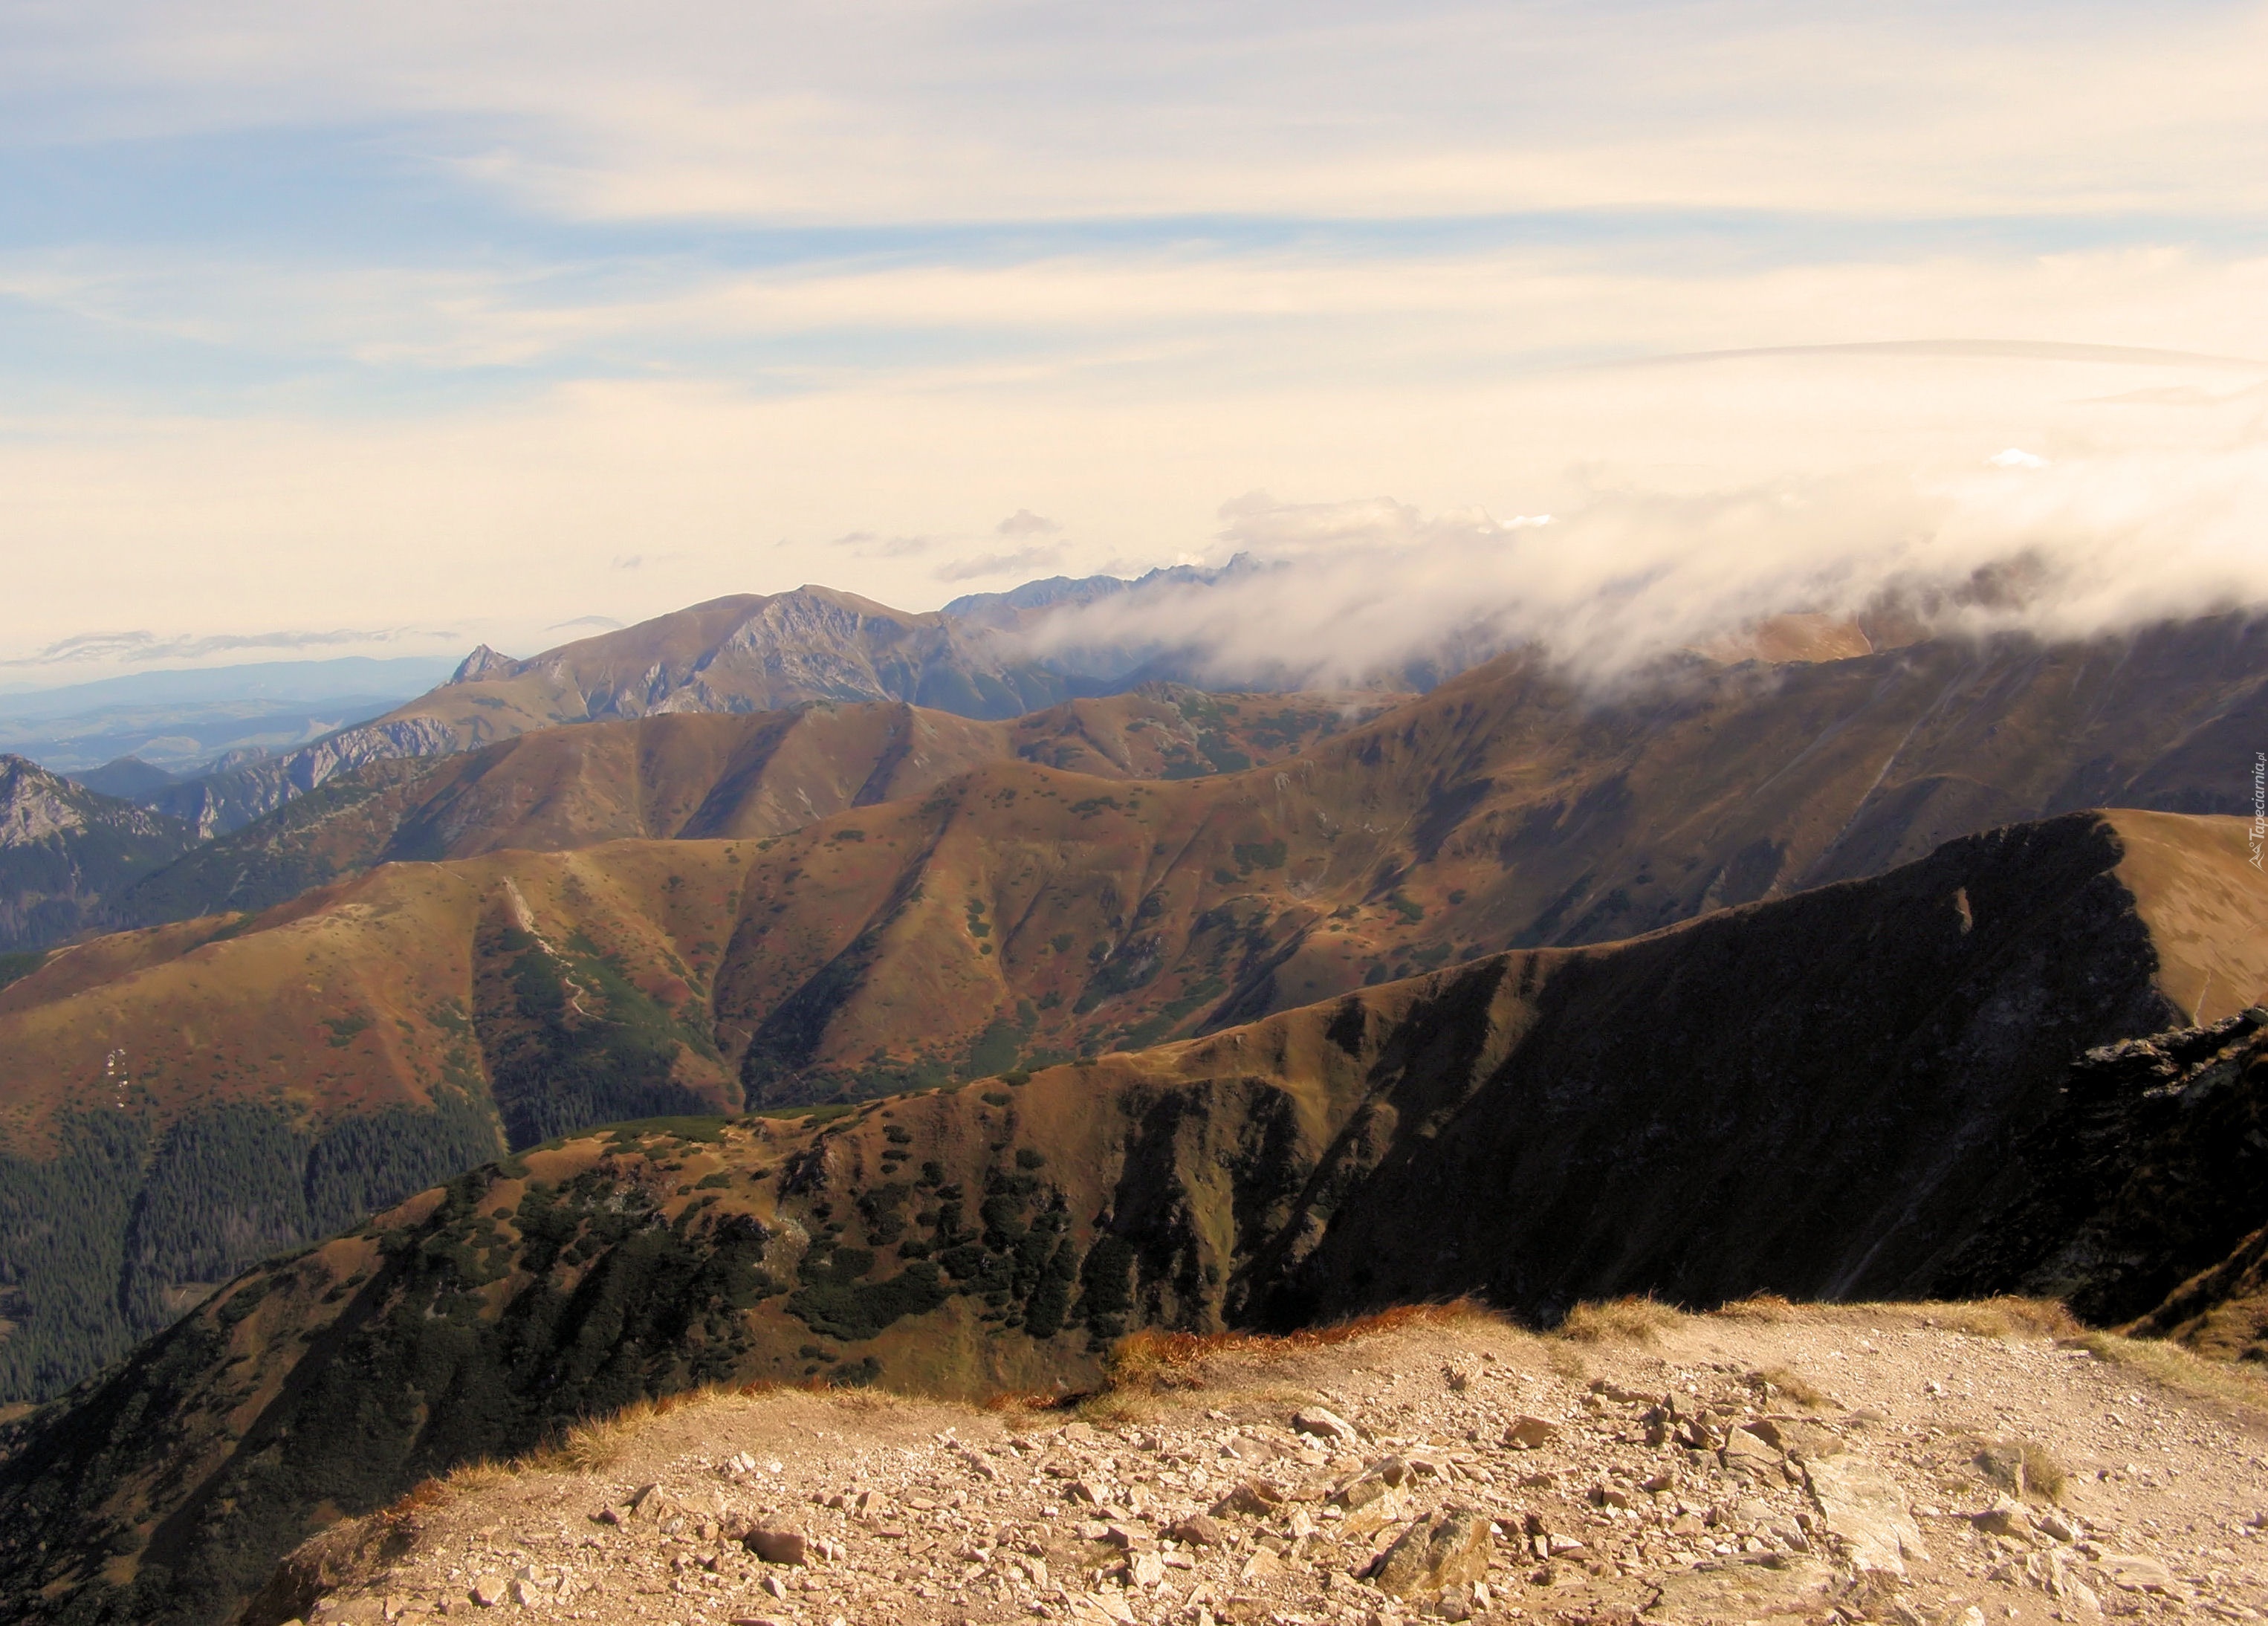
{"x":591,"y":922}
{"x":1873,"y":1088}
{"x":747,"y":653}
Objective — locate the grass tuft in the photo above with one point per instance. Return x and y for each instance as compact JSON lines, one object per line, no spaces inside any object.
{"x":1152,"y":1361}
{"x":2043,"y":1472}
{"x":2011,"y":1317}
{"x":1759,"y":1307}
{"x":1627,"y":1319}
{"x":1793,"y":1385}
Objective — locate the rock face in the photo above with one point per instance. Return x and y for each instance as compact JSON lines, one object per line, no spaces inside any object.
{"x":65,"y":849}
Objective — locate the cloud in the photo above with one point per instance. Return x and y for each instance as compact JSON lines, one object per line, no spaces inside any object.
{"x":1024,"y":522}
{"x":867,"y":545}
{"x":598,"y":624}
{"x":2016,"y":457}
{"x":140,"y":648}
{"x":1344,"y":592}
{"x":1023,"y":561}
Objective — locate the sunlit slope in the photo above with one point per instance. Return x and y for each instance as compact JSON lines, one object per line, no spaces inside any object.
{"x":682,"y":775}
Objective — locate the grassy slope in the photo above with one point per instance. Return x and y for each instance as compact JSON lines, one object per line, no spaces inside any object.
{"x":1810,"y":1096}
{"x":693,"y":775}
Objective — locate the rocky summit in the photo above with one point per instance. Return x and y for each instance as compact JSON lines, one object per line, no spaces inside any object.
{"x":1899,"y":1464}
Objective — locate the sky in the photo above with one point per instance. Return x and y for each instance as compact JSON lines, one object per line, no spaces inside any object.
{"x":384,"y":329}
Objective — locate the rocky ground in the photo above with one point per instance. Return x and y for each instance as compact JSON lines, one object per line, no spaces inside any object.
{"x":1946,"y":1465}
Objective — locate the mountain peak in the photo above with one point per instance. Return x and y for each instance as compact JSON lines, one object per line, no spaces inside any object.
{"x":483,"y":662}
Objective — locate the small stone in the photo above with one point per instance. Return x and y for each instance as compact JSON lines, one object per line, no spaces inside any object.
{"x":1197,"y":1530}
{"x":1325,"y":1425}
{"x":771,"y":1584}
{"x":2003,"y":1517}
{"x":1254,"y":1498}
{"x":489,"y":1590}
{"x":1148,"y":1570}
{"x":777,"y":1546}
{"x":2138,"y":1572}
{"x":1526,"y":1433}
{"x":1261,"y":1566}
{"x":521,"y":1594}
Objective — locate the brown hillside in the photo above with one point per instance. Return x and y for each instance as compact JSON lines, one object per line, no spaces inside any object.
{"x":697,"y":776}
{"x":1817,"y":1097}
{"x":1504,"y":808}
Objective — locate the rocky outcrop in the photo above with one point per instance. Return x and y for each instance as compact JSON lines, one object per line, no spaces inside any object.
{"x":65,"y":849}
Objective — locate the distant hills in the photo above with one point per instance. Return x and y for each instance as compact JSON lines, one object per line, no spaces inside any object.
{"x":1872,"y":1088}
{"x":702,"y":775}
{"x":748,"y":652}
{"x":178,"y":724}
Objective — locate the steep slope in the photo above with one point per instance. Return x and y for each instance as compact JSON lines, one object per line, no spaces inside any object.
{"x":65,"y":848}
{"x":1811,"y":1097}
{"x":693,"y":775}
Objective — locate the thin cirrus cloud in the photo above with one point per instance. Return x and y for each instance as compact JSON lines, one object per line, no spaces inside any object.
{"x":393,"y":302}
{"x":144,"y":648}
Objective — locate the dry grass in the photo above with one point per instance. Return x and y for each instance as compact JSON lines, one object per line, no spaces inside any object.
{"x":1627,"y":1319}
{"x":1567,"y":1361}
{"x":2042,"y":1471}
{"x":483,"y":1473}
{"x":1759,"y":1307}
{"x":2177,"y":1369}
{"x":1151,"y":1361}
{"x":1794,"y":1386}
{"x":2007,"y":1317}
{"x":600,"y":1442}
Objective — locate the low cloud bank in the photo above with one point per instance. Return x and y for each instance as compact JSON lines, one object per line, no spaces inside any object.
{"x":1344,"y":592}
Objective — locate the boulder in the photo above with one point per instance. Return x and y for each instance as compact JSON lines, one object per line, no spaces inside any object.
{"x":1449,"y":1550}
{"x":1865,"y":1512}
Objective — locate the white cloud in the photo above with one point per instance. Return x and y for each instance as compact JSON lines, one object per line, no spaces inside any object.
{"x":2016,"y":457}
{"x":1023,"y":562}
{"x":1376,"y":586}
{"x":1024,"y":522}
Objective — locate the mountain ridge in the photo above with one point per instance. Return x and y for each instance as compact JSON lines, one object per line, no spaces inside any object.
{"x":1808,"y":1096}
